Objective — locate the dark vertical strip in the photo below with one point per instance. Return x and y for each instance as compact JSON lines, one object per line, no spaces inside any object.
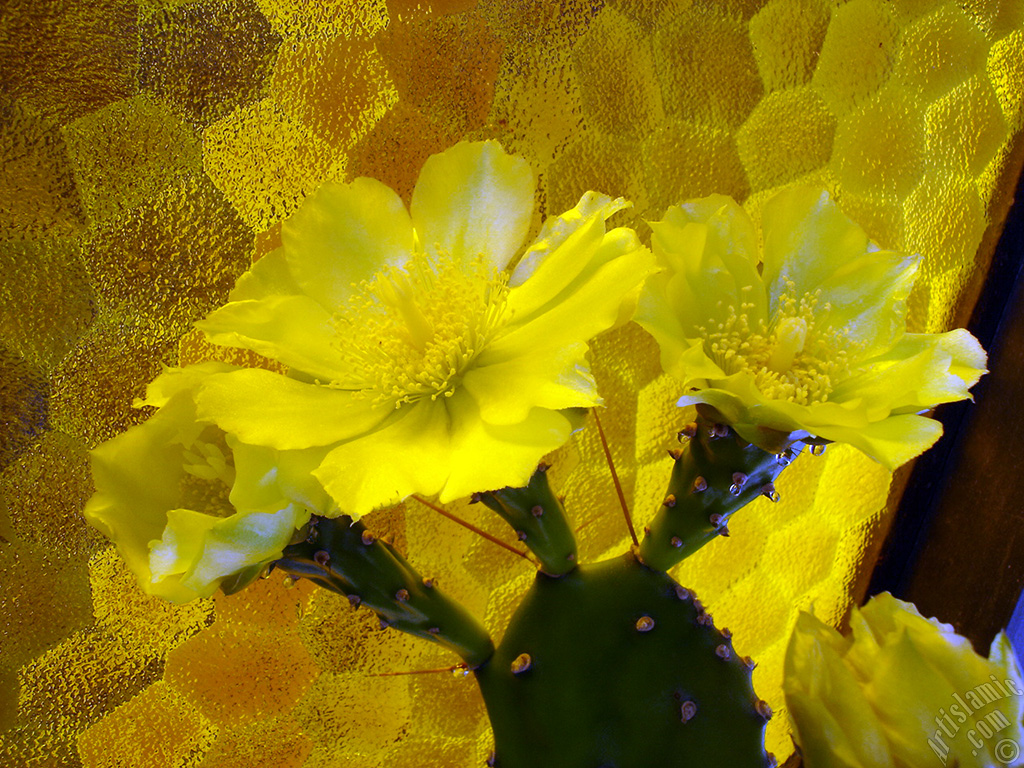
{"x":956,"y":546}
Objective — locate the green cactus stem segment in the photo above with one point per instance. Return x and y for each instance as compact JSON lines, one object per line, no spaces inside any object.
{"x":715,"y":473}
{"x":614,"y":664}
{"x":342,"y":556}
{"x":538,"y":518}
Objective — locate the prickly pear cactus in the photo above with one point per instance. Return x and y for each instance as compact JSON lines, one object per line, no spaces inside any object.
{"x":609,"y":664}
{"x":615,"y":664}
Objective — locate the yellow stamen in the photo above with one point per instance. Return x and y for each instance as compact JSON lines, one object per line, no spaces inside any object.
{"x":394,"y":289}
{"x":209,"y":474}
{"x":411,"y":333}
{"x":791,"y":358}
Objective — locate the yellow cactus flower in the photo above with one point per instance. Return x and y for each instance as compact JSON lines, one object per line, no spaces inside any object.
{"x":798,"y":330}
{"x":902,"y":691}
{"x":425,"y":347}
{"x":190,"y":508}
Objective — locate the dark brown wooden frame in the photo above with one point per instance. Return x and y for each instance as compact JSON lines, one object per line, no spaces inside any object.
{"x":956,"y":545}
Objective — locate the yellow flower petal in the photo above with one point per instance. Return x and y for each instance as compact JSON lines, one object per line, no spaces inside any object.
{"x":269,"y":276}
{"x":850,"y":415}
{"x":473,"y":200}
{"x":659,"y":318}
{"x":967,"y":358}
{"x":294,"y":330}
{"x":342,"y":234}
{"x":709,"y":247}
{"x":137,"y":475}
{"x":174,"y":381}
{"x":410,"y":453}
{"x":892,"y":442}
{"x":616,"y":253}
{"x":233,"y":544}
{"x":541,"y":362}
{"x":582,"y":309}
{"x":265,"y":408}
{"x":1007,"y":670}
{"x":180,"y":544}
{"x":806,"y":239}
{"x":727,"y":400}
{"x":565,"y":252}
{"x":487,"y":456}
{"x":835,"y":726}
{"x":917,"y":373}
{"x":263,"y":476}
{"x":713,"y":245}
{"x":871,"y":319}
{"x":508,"y":390}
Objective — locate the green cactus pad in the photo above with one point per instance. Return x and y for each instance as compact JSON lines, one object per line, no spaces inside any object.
{"x":341,"y":555}
{"x":615,"y":665}
{"x":538,"y":518}
{"x":716,"y":473}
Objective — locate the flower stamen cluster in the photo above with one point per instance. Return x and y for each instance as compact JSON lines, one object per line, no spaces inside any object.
{"x":410,"y":333}
{"x":209,"y":473}
{"x":790,"y":357}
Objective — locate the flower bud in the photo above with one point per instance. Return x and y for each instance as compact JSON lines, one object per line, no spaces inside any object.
{"x":901,"y":690}
{"x":191,"y":508}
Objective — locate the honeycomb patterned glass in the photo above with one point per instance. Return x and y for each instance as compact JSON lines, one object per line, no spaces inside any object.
{"x":152,"y":148}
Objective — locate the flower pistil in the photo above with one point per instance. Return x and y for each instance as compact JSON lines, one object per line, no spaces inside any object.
{"x":789,"y":357}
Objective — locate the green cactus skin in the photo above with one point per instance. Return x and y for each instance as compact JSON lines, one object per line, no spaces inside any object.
{"x":716,"y":473}
{"x":615,"y":665}
{"x":539,"y":520}
{"x":342,"y":556}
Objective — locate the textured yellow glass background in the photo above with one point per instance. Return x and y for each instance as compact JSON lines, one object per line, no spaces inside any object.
{"x":150,"y":151}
